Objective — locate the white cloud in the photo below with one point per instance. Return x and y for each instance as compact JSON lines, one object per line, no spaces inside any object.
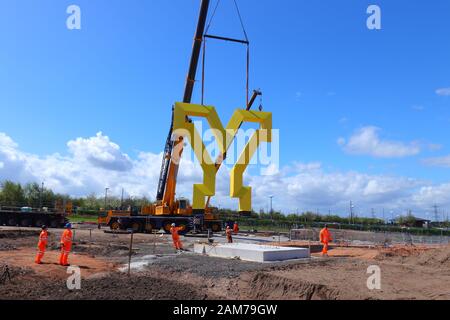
{"x":92,"y":165}
{"x":438,"y":161}
{"x":443,"y":92}
{"x":6,"y":142}
{"x":310,"y":187}
{"x":366,"y":141}
{"x":95,"y":163}
{"x":427,"y":196}
{"x":100,"y":152}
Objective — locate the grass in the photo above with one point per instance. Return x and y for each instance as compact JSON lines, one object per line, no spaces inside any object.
{"x":80,"y":218}
{"x":264,"y":228}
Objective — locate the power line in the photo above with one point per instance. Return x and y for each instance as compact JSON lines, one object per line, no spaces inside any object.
{"x":436,"y":213}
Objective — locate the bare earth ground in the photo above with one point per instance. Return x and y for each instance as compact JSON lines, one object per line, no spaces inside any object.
{"x":406,"y":272}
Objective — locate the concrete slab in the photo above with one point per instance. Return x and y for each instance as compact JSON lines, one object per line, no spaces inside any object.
{"x":251,"y":252}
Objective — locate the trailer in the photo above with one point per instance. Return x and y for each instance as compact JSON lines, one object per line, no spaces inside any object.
{"x":150,"y":223}
{"x":29,"y":217}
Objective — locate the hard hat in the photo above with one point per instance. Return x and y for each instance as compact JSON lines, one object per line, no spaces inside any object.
{"x":228,"y":227}
{"x":44,"y":227}
{"x":68,"y":226}
{"x":173,"y":224}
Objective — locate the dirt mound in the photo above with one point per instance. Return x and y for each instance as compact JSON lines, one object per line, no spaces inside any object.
{"x":7,"y":247}
{"x":14,"y":234}
{"x":13,"y":271}
{"x":434,"y":258}
{"x":268,"y":286}
{"x":101,"y":250}
{"x":114,"y":287}
{"x":431,"y":257}
{"x":208,"y":267}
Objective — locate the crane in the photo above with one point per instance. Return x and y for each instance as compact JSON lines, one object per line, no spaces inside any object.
{"x":168,"y":209}
{"x":165,"y":194}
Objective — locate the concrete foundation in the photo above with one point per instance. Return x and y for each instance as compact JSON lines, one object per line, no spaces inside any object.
{"x":251,"y":252}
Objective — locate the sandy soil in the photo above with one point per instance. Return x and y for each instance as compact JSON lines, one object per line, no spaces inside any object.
{"x":406,"y":272}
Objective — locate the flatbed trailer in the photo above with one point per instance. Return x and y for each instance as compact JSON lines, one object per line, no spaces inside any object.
{"x":11,"y":216}
{"x":150,"y":223}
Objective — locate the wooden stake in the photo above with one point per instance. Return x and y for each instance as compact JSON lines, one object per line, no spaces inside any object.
{"x":131,"y":251}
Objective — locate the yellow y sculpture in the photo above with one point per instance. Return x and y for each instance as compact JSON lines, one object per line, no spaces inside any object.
{"x":224,"y":138}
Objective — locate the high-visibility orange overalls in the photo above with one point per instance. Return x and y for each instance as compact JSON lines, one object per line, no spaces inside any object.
{"x":66,"y":246}
{"x":42,"y":245}
{"x":229,"y":235}
{"x":176,"y":237}
{"x":235,"y":228}
{"x":325,"y":238}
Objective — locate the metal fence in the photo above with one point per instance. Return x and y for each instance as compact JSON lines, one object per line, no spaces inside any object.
{"x":361,"y":237}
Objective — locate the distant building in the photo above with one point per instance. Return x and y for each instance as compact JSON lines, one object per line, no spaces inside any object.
{"x":412,"y":222}
{"x":420,"y":223}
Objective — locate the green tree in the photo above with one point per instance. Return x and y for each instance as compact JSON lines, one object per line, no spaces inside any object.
{"x":12,"y":194}
{"x":408,"y":220}
{"x":91,"y":202}
{"x":32,"y":192}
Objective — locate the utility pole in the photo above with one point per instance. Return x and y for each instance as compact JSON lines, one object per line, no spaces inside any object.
{"x":373,"y":213}
{"x":436,"y":213}
{"x":41,"y":192}
{"x":351,"y":212}
{"x":121,"y":201}
{"x":106,"y":196}
{"x":271,"y":211}
{"x":443,"y":224}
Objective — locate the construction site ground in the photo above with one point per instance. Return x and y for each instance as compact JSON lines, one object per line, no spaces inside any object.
{"x":158,"y":272}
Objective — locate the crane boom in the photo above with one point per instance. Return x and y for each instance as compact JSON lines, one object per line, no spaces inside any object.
{"x":169,"y":169}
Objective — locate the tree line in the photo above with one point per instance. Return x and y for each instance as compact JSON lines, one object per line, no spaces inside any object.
{"x":305,"y":218}
{"x":36,"y":196}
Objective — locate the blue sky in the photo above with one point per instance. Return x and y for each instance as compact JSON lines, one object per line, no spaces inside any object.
{"x":325,"y":77}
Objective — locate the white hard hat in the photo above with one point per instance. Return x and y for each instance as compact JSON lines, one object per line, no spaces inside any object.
{"x":173,"y":224}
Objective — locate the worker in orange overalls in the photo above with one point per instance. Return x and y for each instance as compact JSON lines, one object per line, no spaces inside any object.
{"x":42,"y":245}
{"x":228,"y":232}
{"x":325,"y":238}
{"x":235,"y":227}
{"x":176,"y":237}
{"x":66,"y":245}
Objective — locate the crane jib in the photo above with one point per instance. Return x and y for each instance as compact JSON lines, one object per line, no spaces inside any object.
{"x":189,"y":87}
{"x":165,"y":164}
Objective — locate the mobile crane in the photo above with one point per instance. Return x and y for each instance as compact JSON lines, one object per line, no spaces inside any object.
{"x":168,"y":209}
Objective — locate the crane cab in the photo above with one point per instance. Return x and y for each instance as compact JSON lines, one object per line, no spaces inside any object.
{"x":181,"y":206}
